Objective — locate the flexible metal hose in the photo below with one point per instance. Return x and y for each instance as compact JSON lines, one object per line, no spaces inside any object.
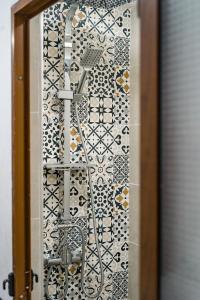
{"x":96,"y":295}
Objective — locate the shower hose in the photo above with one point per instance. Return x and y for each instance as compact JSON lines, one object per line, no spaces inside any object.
{"x":97,"y":294}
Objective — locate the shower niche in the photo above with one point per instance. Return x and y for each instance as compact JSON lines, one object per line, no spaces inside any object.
{"x":84,"y":112}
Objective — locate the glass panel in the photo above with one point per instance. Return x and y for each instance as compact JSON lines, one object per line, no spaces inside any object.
{"x":85,"y":150}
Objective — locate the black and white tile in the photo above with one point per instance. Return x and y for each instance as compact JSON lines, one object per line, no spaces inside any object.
{"x":120,"y":169}
{"x":122,"y":48}
{"x":120,"y":285}
{"x":101,"y":81}
{"x":101,"y":110}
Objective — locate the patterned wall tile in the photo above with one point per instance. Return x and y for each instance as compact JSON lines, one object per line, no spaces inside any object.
{"x":120,"y":256}
{"x":51,"y":106}
{"x":52,"y":74}
{"x":120,"y":285}
{"x":53,"y":14}
{"x":50,"y":237}
{"x":75,"y":143}
{"x":107,"y":289}
{"x":120,"y":226}
{"x":122,"y":46}
{"x":103,"y":201}
{"x":104,"y":121}
{"x":101,"y":110}
{"x":122,"y":81}
{"x":120,"y":169}
{"x":101,"y":21}
{"x":104,"y":230}
{"x":82,"y":111}
{"x":121,"y":197}
{"x":122,"y":21}
{"x":78,"y":193}
{"x":121,"y":109}
{"x":80,"y":17}
{"x":51,"y":43}
{"x":79,"y":43}
{"x":102,"y":172}
{"x":101,"y":81}
{"x":100,"y":139}
{"x":121,"y":134}
{"x":51,"y":141}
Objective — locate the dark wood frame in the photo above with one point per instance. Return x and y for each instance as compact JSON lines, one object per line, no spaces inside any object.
{"x":22,"y":11}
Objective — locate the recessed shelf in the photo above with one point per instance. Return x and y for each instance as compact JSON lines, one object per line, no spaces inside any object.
{"x":68,"y":166}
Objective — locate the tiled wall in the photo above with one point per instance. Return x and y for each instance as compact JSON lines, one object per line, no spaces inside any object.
{"x":35,"y":151}
{"x":105,"y":121}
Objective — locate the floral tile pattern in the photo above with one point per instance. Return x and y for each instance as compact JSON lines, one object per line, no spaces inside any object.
{"x":121,"y":197}
{"x":104,"y":117}
{"x":102,"y":172}
{"x":122,"y":81}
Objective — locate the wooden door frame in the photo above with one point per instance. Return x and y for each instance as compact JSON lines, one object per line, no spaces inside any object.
{"x":21,"y":12}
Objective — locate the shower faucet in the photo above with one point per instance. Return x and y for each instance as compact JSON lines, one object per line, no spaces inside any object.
{"x":65,"y":256}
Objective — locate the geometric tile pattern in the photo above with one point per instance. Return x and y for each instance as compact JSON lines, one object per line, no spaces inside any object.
{"x":120,"y":285}
{"x":101,"y":81}
{"x":122,"y":51}
{"x":121,"y":109}
{"x":100,"y":139}
{"x":120,"y":169}
{"x":120,"y":223}
{"x":101,"y":21}
{"x":101,"y":110}
{"x":102,"y":172}
{"x":104,"y":116}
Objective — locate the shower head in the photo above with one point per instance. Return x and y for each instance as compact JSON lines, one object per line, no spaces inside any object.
{"x":91,"y":58}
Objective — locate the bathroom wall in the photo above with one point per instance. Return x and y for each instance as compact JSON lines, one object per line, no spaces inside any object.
{"x":5,"y":149}
{"x":105,"y":121}
{"x":36,"y":152}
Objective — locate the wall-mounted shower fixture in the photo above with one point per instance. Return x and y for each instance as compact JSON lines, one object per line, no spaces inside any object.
{"x":89,"y":60}
{"x":64,"y":255}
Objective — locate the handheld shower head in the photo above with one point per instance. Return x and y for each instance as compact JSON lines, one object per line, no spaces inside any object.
{"x":91,"y":58}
